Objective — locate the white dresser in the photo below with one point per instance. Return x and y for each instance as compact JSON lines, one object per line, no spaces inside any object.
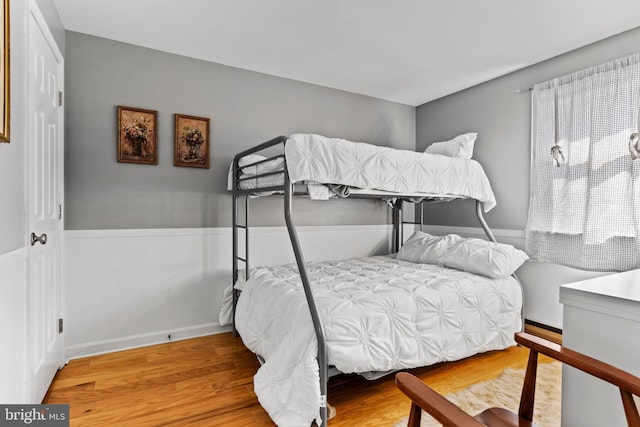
{"x":601,"y":318}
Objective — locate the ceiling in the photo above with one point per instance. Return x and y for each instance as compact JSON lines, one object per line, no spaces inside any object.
{"x":407,"y":51}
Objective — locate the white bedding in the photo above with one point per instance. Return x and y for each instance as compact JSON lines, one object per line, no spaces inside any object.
{"x":318,"y":159}
{"x":378,"y":314}
{"x":337,"y":161}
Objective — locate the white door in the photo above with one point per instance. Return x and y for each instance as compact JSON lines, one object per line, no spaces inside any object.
{"x":45,"y":350}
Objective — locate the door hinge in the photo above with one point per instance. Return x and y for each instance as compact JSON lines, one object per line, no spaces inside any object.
{"x":60,"y":98}
{"x":60,"y":326}
{"x":60,"y":212}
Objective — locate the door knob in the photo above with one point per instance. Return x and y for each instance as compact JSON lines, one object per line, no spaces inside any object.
{"x":35,"y":239}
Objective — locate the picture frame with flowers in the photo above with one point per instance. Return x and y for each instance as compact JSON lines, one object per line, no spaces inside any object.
{"x":191,"y":142}
{"x":137,"y":135}
{"x":5,"y":84}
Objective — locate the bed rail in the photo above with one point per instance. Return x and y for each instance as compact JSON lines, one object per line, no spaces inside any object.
{"x":260,"y":147}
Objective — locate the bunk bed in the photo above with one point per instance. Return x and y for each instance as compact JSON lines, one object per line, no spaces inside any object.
{"x":292,"y":316}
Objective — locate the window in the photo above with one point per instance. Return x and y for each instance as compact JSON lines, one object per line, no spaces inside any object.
{"x":584,"y":206}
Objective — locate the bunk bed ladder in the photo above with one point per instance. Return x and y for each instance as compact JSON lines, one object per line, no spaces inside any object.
{"x":237,"y":192}
{"x":236,"y":256}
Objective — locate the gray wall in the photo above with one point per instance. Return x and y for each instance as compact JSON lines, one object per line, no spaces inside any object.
{"x":12,"y":171}
{"x":502,"y":119}
{"x":245,"y":108}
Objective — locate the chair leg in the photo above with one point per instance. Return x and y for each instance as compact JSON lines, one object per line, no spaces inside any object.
{"x":630,"y":409}
{"x":529,"y":387}
{"x":414,"y":416}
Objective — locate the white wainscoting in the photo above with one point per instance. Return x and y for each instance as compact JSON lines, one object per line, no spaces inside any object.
{"x":129,"y":288}
{"x":13,"y":326}
{"x":541,"y":281}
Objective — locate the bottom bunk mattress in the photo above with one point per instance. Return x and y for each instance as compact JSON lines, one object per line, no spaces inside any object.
{"x":378,"y":314}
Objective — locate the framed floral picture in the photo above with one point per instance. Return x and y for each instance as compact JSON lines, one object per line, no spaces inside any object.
{"x":191,"y":144}
{"x":137,"y":135}
{"x":4,"y":71}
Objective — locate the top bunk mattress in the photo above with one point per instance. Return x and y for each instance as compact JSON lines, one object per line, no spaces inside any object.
{"x":318,"y":159}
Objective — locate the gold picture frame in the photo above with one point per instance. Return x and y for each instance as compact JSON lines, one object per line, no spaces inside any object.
{"x":137,"y":135}
{"x":4,"y":72}
{"x":191,"y":142}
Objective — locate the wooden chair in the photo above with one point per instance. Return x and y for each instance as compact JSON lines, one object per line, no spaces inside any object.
{"x":422,"y":396}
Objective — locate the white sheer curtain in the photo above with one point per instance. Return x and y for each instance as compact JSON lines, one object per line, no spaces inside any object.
{"x":584,"y":206}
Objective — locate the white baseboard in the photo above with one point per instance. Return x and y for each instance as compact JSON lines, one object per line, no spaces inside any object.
{"x":143,"y":340}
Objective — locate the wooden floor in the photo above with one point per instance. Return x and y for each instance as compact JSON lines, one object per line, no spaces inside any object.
{"x":208,"y":382}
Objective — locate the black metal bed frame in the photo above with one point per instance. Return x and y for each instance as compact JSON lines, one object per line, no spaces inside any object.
{"x":288,"y":190}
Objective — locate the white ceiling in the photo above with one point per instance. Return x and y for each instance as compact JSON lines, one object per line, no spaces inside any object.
{"x":408,"y":51}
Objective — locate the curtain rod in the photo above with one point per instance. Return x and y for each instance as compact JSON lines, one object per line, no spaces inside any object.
{"x":624,"y":61}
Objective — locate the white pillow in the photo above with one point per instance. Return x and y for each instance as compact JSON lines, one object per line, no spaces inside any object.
{"x":495,"y":260}
{"x":461,"y":146}
{"x":427,"y":249}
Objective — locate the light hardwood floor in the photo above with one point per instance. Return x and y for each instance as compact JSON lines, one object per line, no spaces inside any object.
{"x":208,"y":382}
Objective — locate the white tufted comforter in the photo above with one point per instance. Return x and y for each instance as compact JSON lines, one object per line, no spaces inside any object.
{"x":378,"y":314}
{"x":316,"y":158}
